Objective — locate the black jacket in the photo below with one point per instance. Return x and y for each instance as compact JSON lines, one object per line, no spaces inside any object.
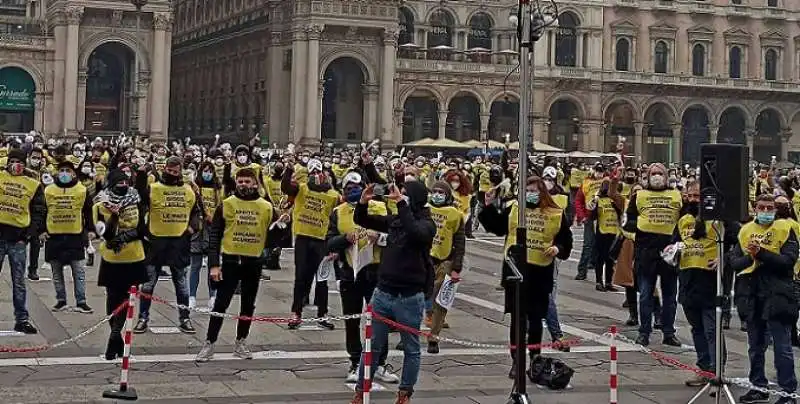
{"x":65,"y":248}
{"x":405,"y":266}
{"x":217,"y":231}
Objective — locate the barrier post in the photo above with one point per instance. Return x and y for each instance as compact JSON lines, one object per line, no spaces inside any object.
{"x":367,"y":355}
{"x":125,"y":392}
{"x":612,"y":380}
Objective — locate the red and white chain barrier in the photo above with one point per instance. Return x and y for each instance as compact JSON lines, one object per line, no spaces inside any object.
{"x":612,"y":378}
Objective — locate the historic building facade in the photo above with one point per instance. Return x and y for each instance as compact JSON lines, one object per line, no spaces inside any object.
{"x":663,"y":75}
{"x":92,"y":67}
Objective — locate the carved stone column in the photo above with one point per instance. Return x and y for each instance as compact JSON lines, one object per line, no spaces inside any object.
{"x":750,"y":134}
{"x":485,"y":116}
{"x":82,"y":76}
{"x":638,"y":140}
{"x":368,"y":132}
{"x":786,"y":136}
{"x":74,"y":15}
{"x":313,"y":114}
{"x":298,"y":82}
{"x":677,"y":142}
{"x":143,"y":98}
{"x":158,"y":94}
{"x":390,"y":36}
{"x":167,"y":76}
{"x":277,"y":105}
{"x":713,"y":131}
{"x":398,"y":126}
{"x":442,"y":123}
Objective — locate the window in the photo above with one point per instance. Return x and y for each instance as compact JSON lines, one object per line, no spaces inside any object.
{"x":772,"y":3}
{"x":406,"y":27}
{"x":771,"y":65}
{"x":441,"y":33}
{"x":735,"y":63}
{"x":698,"y":60}
{"x":623,"y":54}
{"x":737,"y":2}
{"x":567,"y":40}
{"x":662,"y":57}
{"x":480,"y":32}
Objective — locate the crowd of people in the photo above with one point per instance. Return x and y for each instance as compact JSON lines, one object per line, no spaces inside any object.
{"x":395,"y":226}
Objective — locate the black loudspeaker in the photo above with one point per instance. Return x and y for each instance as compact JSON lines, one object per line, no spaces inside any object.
{"x":723,"y":181}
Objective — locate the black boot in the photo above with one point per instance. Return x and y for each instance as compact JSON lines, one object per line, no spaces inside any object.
{"x":726,"y":321}
{"x":633,"y":315}
{"x":115,"y":347}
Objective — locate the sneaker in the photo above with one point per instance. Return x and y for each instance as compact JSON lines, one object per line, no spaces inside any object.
{"x":696,"y":381}
{"x":786,"y":400}
{"x":141,"y":326}
{"x":581,"y":276}
{"x":403,"y":397}
{"x":206,"y":352}
{"x":754,"y":396}
{"x":241,"y":351}
{"x":632,"y":321}
{"x":192,"y":302}
{"x":352,"y":374}
{"x":643,"y":340}
{"x":25,"y":327}
{"x":33,"y":277}
{"x":433,"y":347}
{"x":327,"y":325}
{"x":672,"y":341}
{"x":60,"y":306}
{"x":295,"y":323}
{"x":186,"y":326}
{"x":384,"y":374}
{"x":610,"y":288}
{"x":560,"y":346}
{"x":599,"y":287}
{"x":83,"y":308}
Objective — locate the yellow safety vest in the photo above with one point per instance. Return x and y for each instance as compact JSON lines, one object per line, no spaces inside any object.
{"x":796,"y":227}
{"x":607,"y":217}
{"x":65,"y":209}
{"x":312,"y":212}
{"x":211,"y":199}
{"x":100,"y":171}
{"x":447,"y":219}
{"x":542,"y":226}
{"x":235,"y":169}
{"x":91,"y":185}
{"x":696,"y":254}
{"x":626,"y":189}
{"x":576,"y":178}
{"x":484,"y":184}
{"x":796,"y":203}
{"x":658,"y":211}
{"x":300,"y":174}
{"x":16,"y":193}
{"x":128,"y":220}
{"x":246,"y":226}
{"x":561,"y":200}
{"x":627,"y":234}
{"x":461,"y":202}
{"x":274,"y":190}
{"x":170,"y":209}
{"x":770,"y":238}
{"x":346,"y":225}
{"x":590,"y":187}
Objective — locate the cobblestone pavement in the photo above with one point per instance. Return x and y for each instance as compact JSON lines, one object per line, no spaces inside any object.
{"x":309,"y":365}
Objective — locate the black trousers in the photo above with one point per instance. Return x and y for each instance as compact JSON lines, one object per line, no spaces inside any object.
{"x":249,"y":274}
{"x":535,"y":307}
{"x":308,"y":253}
{"x":33,"y":256}
{"x":603,"y":264}
{"x":354,"y":295}
{"x":116,"y":296}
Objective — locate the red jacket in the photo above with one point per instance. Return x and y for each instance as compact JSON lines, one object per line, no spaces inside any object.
{"x":581,"y":213}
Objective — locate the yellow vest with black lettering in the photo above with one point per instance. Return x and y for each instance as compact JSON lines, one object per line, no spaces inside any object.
{"x":246,"y":226}
{"x":607,"y":216}
{"x":16,"y":193}
{"x":91,"y":185}
{"x":212,"y":197}
{"x":461,"y":202}
{"x":100,"y":171}
{"x":128,"y":220}
{"x":542,"y":226}
{"x":447,"y":219}
{"x":561,"y":200}
{"x":346,"y":225}
{"x":770,"y":238}
{"x":590,"y":186}
{"x":696,"y":254}
{"x":312,"y":212}
{"x":796,"y":227}
{"x":484,"y":184}
{"x":658,"y":211}
{"x":796,"y":204}
{"x":274,"y":190}
{"x":65,"y":209}
{"x":170,"y":209}
{"x":576,"y":178}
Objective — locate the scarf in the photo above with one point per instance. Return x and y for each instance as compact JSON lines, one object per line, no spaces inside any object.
{"x":122,"y":201}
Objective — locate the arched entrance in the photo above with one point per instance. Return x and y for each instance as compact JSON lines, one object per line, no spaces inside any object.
{"x":504,"y":118}
{"x":109,"y":84}
{"x":563,"y":125}
{"x":767,"y":141}
{"x":463,"y":118}
{"x":619,"y":124}
{"x":658,"y":123}
{"x":343,"y":100}
{"x":17,"y":100}
{"x":695,"y":132}
{"x":420,"y":116}
{"x":732,"y":124}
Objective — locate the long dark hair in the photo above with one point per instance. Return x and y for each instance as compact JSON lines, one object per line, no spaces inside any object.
{"x":545,"y":200}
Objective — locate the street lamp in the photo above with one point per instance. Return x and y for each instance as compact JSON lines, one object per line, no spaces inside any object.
{"x":139,"y":4}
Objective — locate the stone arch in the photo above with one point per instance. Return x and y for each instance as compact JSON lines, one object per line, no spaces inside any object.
{"x":568,"y":97}
{"x":405,"y":93}
{"x":32,"y":71}
{"x":500,"y":96}
{"x":637,"y":113}
{"x":478,"y":96}
{"x":748,"y":116}
{"x":491,"y":16}
{"x":650,"y":103}
{"x":579,"y":16}
{"x":710,"y":111}
{"x":781,"y":115}
{"x":128,"y":40}
{"x":450,"y":10}
{"x":411,"y":9}
{"x":367,"y":67}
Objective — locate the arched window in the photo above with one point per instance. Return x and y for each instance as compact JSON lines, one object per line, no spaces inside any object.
{"x":699,"y":60}
{"x":567,"y":40}
{"x":480,"y":32}
{"x":771,"y":65}
{"x":406,"y":26}
{"x":662,"y":57}
{"x":623,"y":54}
{"x":441,"y":33}
{"x":772,"y":3}
{"x":735,"y":62}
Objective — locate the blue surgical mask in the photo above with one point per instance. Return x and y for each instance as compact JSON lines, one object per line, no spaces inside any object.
{"x":207,"y":176}
{"x":354,"y":194}
{"x":765,"y":217}
{"x":532,"y":197}
{"x":64,"y":178}
{"x":438,"y":199}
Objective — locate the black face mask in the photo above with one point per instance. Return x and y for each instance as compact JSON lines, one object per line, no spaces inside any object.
{"x":170,"y":179}
{"x":277,"y":171}
{"x":630,"y":180}
{"x":782,"y":211}
{"x":245,"y":191}
{"x":120,"y":190}
{"x":693,"y":208}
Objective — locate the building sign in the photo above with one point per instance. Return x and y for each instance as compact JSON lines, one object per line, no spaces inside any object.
{"x":17,"y":90}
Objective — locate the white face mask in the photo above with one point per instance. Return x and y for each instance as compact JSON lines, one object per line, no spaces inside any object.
{"x":36,"y":162}
{"x":219,"y":162}
{"x":86,"y":170}
{"x":657,"y":181}
{"x":549,"y":184}
{"x":241,"y":159}
{"x":455,"y":185}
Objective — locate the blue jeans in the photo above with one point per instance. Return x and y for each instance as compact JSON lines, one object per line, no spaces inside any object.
{"x":408,"y":312}
{"x":587,"y":252}
{"x":78,"y":279}
{"x":194,"y":277}
{"x":704,"y":325}
{"x":553,"y":325}
{"x":17,"y":254}
{"x":647,"y":273}
{"x":758,"y":335}
{"x":181,"y":290}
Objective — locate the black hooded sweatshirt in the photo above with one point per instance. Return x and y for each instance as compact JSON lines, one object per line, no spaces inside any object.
{"x":405,"y":267}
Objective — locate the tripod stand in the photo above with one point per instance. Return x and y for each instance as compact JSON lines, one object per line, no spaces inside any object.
{"x":718,"y":382}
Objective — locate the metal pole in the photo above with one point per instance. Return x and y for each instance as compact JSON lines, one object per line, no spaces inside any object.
{"x":135,"y":86}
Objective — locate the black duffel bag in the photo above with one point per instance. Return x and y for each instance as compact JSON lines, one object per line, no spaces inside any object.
{"x":551,"y":373}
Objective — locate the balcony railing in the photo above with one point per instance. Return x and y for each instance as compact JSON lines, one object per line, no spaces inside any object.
{"x":18,"y":40}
